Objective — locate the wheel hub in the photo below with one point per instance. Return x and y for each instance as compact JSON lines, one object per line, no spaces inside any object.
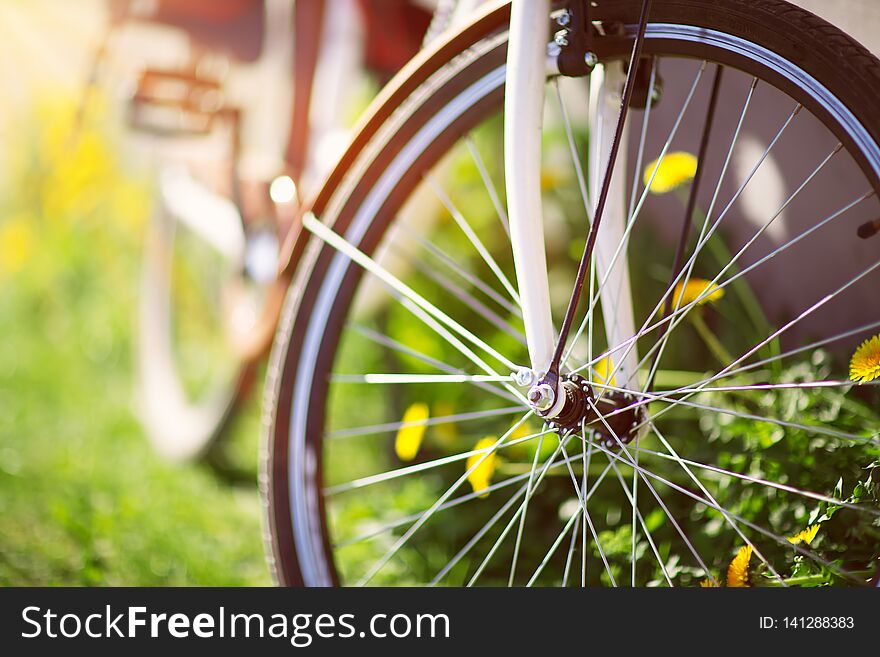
{"x":612,"y":418}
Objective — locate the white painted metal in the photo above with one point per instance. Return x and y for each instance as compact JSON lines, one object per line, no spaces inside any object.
{"x":606,"y":84}
{"x":523,"y":117}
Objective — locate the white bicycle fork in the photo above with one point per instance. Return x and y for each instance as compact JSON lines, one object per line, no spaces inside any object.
{"x":523,"y":118}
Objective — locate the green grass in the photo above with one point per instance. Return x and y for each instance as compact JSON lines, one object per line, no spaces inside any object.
{"x":83,"y":497}
{"x":84,"y":500}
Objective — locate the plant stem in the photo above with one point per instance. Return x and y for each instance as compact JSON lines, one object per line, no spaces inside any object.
{"x":807,"y":580}
{"x":709,"y":338}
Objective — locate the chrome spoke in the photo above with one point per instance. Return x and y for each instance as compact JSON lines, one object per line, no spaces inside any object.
{"x":698,"y":248}
{"x":643,"y":137}
{"x":397,"y":379}
{"x":636,"y":212}
{"x":457,"y":501}
{"x":803,"y":385}
{"x":405,"y":471}
{"x":637,"y":513}
{"x":766,"y":532}
{"x":782,"y":330}
{"x":443,"y":419}
{"x":519,"y":514}
{"x":462,"y":348}
{"x":634,"y":498}
{"x":469,"y":300}
{"x":675,"y":401}
{"x":654,"y":492}
{"x":573,"y":152}
{"x":462,"y":499}
{"x":561,"y":535}
{"x":588,"y":209}
{"x":689,"y":265}
{"x":400,"y":542}
{"x":792,"y":352}
{"x":522,"y":518}
{"x":473,"y":238}
{"x":709,"y":496}
{"x":625,"y":344}
{"x":735,"y":258}
{"x":587,"y":458}
{"x":764,"y":482}
{"x":337,"y":242}
{"x":526,"y":489}
{"x":582,"y":500}
{"x":574,"y":531}
{"x":393,"y":344}
{"x":487,"y":182}
{"x":461,"y":271}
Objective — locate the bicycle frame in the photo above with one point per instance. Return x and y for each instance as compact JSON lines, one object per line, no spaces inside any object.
{"x":523,"y":117}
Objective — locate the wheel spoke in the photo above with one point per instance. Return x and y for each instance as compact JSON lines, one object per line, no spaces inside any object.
{"x":574,"y":531}
{"x":528,"y":490}
{"x":709,"y":496}
{"x":636,"y":212}
{"x":643,"y":137}
{"x":452,"y":340}
{"x":473,"y":238}
{"x":646,"y":329}
{"x":398,"y":379}
{"x":764,"y":482}
{"x":462,"y":499}
{"x":400,"y":542}
{"x":393,"y":344}
{"x":637,"y":514}
{"x":561,"y":535}
{"x":689,"y":265}
{"x":461,"y":271}
{"x":314,"y":226}
{"x":487,"y":182}
{"x":808,"y":347}
{"x":442,"y":419}
{"x":582,"y":500}
{"x":654,"y":492}
{"x":522,"y":518}
{"x":405,"y":471}
{"x":742,"y":250}
{"x":766,"y":532}
{"x":469,"y":300}
{"x":779,"y":332}
{"x":672,"y":402}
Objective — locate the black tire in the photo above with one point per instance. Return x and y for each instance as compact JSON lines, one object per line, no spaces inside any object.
{"x":299,"y":544}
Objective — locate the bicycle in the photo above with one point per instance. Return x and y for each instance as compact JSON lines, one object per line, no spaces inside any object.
{"x":210,"y":296}
{"x":684,"y":430}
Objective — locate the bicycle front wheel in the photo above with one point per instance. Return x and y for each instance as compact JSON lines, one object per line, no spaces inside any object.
{"x":399,"y":449}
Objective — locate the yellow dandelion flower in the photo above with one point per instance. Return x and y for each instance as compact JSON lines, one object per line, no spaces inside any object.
{"x":805,"y":536}
{"x":551,"y":178}
{"x":675,"y":169}
{"x":603,"y":369}
{"x":16,"y":241}
{"x":409,"y":437}
{"x":708,"y":584}
{"x":738,"y":571}
{"x":521,"y":431}
{"x":695,"y":288}
{"x":865,"y":363}
{"x":481,"y":476}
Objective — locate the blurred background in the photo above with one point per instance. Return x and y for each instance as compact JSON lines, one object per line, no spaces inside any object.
{"x":88,"y":493}
{"x":85,"y":498}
